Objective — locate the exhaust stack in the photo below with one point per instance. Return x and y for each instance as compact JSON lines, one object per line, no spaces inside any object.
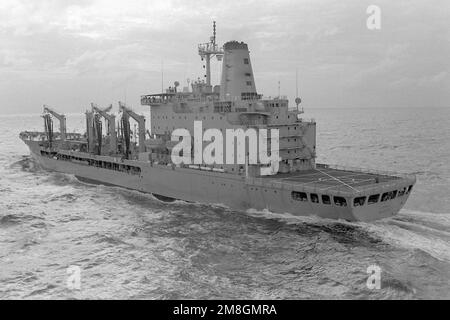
{"x":237,"y":75}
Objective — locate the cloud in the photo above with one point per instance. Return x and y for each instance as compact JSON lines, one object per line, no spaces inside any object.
{"x":81,"y":48}
{"x":133,"y":57}
{"x":14,"y":60}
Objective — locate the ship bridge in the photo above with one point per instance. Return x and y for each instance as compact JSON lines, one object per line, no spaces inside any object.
{"x":156,"y":99}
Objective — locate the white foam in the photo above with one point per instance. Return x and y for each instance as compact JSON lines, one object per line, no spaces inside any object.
{"x":412,"y":235}
{"x":289,"y":218}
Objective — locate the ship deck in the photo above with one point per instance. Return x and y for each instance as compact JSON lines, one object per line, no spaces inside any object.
{"x":331,"y":179}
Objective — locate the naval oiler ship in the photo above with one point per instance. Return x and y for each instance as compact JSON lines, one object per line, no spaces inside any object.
{"x":109,"y":155}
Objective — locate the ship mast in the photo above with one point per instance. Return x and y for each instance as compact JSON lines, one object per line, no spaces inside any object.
{"x":209,"y":50}
{"x":297,"y":98}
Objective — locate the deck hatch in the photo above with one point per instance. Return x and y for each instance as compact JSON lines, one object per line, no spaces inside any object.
{"x":388,"y":195}
{"x":326,"y":199}
{"x":359,"y":201}
{"x":314,"y":197}
{"x":340,"y":201}
{"x":299,"y":196}
{"x":373,"y":199}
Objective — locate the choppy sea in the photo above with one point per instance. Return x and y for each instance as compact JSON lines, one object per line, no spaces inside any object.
{"x":130,"y":245}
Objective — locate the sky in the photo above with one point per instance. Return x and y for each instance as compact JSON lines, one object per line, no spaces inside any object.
{"x":68,"y":53}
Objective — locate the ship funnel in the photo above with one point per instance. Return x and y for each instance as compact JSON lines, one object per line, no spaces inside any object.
{"x":237,"y":74}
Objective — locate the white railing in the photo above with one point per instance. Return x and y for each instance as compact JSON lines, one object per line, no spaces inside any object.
{"x":307,"y":120}
{"x":42,"y":136}
{"x":365,"y":170}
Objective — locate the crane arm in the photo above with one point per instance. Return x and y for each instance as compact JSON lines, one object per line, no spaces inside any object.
{"x":103,"y":112}
{"x":139,"y":118}
{"x":57,"y":115}
{"x":61,"y":118}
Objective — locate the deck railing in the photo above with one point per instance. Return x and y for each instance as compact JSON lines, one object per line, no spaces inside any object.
{"x":365,"y":170}
{"x":42,"y":136}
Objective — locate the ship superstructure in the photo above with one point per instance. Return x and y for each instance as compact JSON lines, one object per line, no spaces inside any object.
{"x":141,"y":159}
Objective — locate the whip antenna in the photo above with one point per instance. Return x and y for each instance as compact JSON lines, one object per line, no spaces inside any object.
{"x":297,"y":99}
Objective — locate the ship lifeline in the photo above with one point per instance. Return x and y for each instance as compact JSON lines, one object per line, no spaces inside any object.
{"x":300,"y":187}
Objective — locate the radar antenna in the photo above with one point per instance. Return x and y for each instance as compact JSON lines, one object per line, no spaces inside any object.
{"x":208,"y":50}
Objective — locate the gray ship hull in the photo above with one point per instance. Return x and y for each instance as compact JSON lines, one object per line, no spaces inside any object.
{"x":234,"y":191}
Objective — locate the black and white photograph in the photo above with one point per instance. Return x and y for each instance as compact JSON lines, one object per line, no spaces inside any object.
{"x":239,"y":153}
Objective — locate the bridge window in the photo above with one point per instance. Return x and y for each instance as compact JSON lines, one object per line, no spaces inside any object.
{"x":245,"y":60}
{"x":249,"y":83}
{"x":326,"y":199}
{"x":314,"y":197}
{"x":299,"y":196}
{"x":340,"y":201}
{"x":373,"y":199}
{"x":402,"y":192}
{"x":409,"y":189}
{"x":359,"y":201}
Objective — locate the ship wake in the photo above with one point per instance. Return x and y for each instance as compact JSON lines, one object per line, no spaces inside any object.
{"x":27,"y":164}
{"x":412,"y":230}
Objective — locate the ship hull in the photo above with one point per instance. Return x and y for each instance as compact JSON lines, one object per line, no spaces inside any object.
{"x":236,"y":192}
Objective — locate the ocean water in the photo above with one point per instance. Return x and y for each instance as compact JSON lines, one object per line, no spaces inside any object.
{"x":131,"y":245}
